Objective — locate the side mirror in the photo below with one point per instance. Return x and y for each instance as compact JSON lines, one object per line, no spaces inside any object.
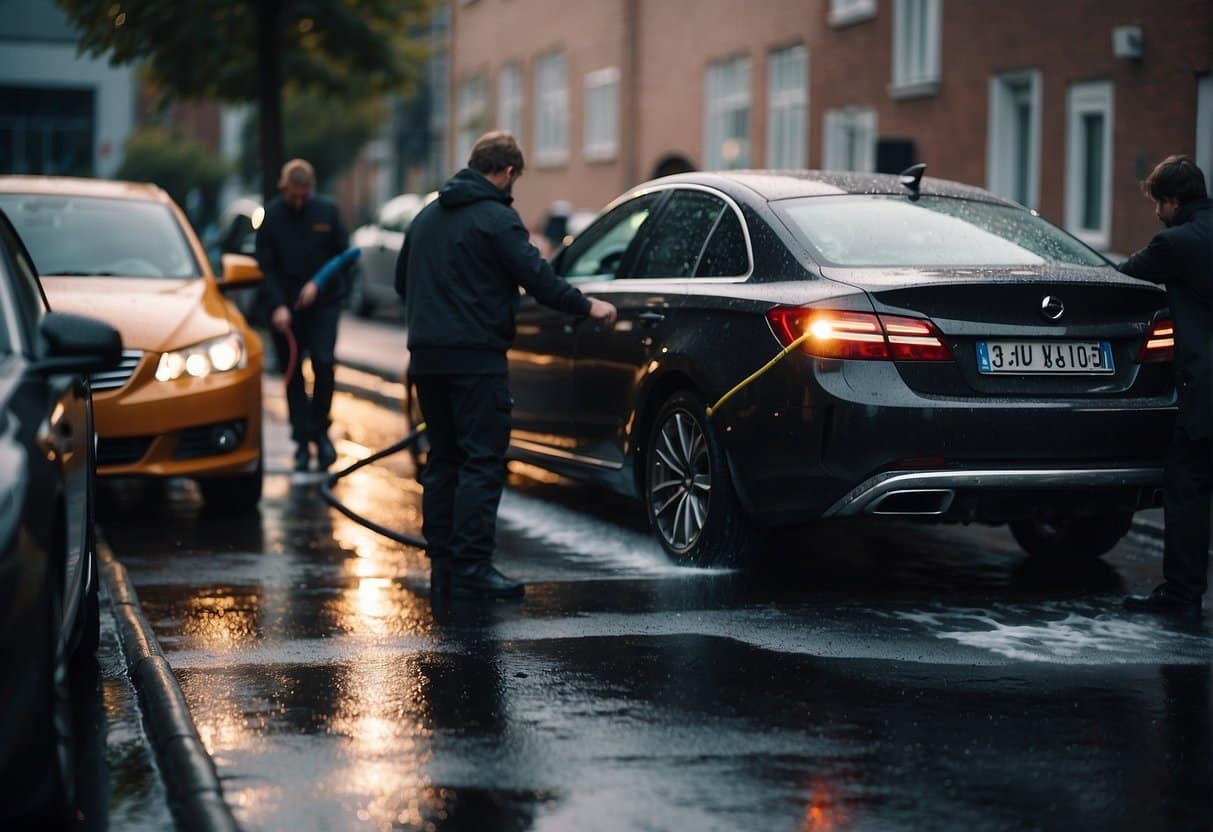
{"x":238,"y":270}
{"x":76,"y":344}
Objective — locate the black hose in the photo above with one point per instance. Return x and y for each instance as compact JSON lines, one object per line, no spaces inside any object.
{"x":326,"y":490}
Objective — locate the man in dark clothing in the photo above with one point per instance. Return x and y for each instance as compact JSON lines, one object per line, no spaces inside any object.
{"x":300,"y":233}
{"x":1181,"y":256}
{"x":459,"y":271}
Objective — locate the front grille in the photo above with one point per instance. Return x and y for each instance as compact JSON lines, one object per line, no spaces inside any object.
{"x":209,"y":440}
{"x":118,"y":376}
{"x":121,"y":450}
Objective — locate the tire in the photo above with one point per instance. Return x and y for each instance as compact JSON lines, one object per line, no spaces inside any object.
{"x":235,"y":494}
{"x":1074,"y":538}
{"x":688,"y":490}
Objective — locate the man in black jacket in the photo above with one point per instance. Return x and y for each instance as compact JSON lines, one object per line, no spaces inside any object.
{"x":1181,"y":256}
{"x":459,"y":272}
{"x":300,"y":233}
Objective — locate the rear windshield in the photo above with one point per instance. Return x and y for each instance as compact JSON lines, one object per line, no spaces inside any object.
{"x":885,"y":230}
{"x":84,"y":235}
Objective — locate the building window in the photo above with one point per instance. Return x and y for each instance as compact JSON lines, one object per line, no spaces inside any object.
{"x":602,"y":114}
{"x":1013,"y":141}
{"x":846,"y":12}
{"x":509,"y":100}
{"x":916,"y":26}
{"x":1204,"y":127}
{"x":1089,"y":162}
{"x":471,"y":116}
{"x":727,"y":115}
{"x":850,"y":139}
{"x":787,"y":107}
{"x":551,"y":109}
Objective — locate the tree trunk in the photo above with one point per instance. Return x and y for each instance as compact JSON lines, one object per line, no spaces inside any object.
{"x":271,"y":15}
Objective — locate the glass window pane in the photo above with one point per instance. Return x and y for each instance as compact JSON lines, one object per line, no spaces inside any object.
{"x":673,"y":248}
{"x":725,"y":254}
{"x":1092,"y":194}
{"x":600,"y":248}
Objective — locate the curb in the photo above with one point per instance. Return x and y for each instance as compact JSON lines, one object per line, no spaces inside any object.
{"x":194,"y":794}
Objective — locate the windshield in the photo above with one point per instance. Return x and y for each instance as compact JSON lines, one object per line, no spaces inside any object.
{"x":84,"y":235}
{"x":887,"y":230}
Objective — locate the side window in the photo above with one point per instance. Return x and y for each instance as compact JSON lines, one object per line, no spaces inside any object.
{"x":600,"y":249}
{"x":23,"y":283}
{"x":725,"y":254}
{"x":674,"y":246}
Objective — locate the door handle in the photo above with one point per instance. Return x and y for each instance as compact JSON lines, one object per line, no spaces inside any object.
{"x":651,"y":317}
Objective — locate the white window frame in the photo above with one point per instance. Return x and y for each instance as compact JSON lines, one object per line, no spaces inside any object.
{"x":551,"y":136}
{"x":471,"y":110}
{"x":788,"y":109}
{"x":1081,"y":100}
{"x":1204,"y":127}
{"x":510,"y":100}
{"x":601,"y":117}
{"x":850,"y":139}
{"x":847,"y":12}
{"x":916,"y":47}
{"x":726,"y":93}
{"x":1001,"y":133}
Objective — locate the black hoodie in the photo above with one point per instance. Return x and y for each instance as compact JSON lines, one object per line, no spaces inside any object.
{"x":463,"y":260}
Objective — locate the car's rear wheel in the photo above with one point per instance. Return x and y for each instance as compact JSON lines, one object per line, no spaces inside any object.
{"x":233,"y":494}
{"x":1071,"y":537}
{"x":688,"y":490}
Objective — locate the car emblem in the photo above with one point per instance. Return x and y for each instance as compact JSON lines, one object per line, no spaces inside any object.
{"x":1052,"y":308}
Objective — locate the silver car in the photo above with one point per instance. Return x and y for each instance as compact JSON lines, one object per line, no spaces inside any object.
{"x":374,"y":279}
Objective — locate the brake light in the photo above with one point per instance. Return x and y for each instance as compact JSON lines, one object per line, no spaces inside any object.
{"x":1159,"y":344}
{"x":862,"y":335}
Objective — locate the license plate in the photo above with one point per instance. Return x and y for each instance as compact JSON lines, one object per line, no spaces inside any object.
{"x":1045,"y":357}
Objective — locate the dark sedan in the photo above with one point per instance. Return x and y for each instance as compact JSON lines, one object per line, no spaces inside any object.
{"x":956,"y":357}
{"x":48,"y":561}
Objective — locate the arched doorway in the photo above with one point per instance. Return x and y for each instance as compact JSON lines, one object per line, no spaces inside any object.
{"x":672,"y":164}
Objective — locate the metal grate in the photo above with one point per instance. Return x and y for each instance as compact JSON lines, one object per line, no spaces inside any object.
{"x":121,"y":450}
{"x":118,"y":376}
{"x":200,"y":441}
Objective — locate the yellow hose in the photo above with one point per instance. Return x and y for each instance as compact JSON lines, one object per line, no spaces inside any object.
{"x":754,"y":376}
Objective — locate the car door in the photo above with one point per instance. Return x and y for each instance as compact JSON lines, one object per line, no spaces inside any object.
{"x":610,"y":365}
{"x":541,"y":360}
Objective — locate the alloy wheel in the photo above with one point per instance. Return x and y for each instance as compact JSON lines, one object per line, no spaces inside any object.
{"x":680,"y":480}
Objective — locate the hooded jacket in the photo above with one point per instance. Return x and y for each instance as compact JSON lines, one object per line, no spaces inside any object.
{"x":463,"y":260}
{"x":1181,"y":256}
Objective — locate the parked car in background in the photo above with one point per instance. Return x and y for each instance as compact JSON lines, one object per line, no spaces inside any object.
{"x":49,"y":616}
{"x":373,"y":283}
{"x":956,"y":358}
{"x":186,"y":399}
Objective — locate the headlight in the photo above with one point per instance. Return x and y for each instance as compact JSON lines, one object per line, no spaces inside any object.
{"x":218,"y":355}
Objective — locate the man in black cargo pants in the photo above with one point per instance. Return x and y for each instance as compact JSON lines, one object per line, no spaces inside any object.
{"x":462,"y":263}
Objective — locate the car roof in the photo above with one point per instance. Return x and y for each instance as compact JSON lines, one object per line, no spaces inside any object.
{"x":787,"y":184}
{"x":76,"y":186}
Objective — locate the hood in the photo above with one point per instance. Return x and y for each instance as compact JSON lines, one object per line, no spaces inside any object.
{"x":468,"y":186}
{"x":151,"y":314}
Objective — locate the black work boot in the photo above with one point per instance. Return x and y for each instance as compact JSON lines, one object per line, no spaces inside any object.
{"x":478,"y":579}
{"x":326,"y":454}
{"x":1164,"y":601}
{"x":303,"y":457}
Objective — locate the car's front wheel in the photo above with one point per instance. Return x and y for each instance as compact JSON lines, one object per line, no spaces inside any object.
{"x":233,"y":494}
{"x":1071,"y":537}
{"x":688,"y":490}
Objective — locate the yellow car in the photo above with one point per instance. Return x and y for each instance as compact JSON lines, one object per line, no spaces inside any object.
{"x":186,"y":400}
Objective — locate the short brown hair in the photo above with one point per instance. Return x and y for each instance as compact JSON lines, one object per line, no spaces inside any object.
{"x":297,"y":172}
{"x":1176,"y":177}
{"x":494,"y":152}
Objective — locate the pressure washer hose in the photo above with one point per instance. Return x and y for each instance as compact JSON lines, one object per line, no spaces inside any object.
{"x":326,"y":488}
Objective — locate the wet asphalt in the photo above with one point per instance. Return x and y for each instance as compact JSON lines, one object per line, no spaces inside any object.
{"x":867,"y":675}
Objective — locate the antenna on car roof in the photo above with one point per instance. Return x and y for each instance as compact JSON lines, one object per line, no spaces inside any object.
{"x":911,"y":178}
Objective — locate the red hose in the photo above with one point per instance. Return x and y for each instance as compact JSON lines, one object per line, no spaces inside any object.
{"x":292,"y":363}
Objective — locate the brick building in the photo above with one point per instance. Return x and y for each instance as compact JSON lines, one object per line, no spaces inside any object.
{"x":1061,"y":104}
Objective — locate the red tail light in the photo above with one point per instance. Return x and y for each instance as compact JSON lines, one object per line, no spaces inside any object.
{"x":862,"y":335}
{"x":1160,"y":343}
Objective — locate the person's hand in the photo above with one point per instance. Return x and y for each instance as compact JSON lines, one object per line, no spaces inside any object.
{"x":281,"y":319}
{"x":307,"y":295}
{"x":603,"y":312}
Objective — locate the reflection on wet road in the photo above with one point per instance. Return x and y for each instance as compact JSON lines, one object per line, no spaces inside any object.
{"x":866,"y":675}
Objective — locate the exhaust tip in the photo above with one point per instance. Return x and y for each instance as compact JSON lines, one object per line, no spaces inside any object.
{"x":917,"y":501}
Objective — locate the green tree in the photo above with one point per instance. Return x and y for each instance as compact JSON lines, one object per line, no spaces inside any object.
{"x":312,"y":133}
{"x":192,"y":174}
{"x":244,"y":50}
